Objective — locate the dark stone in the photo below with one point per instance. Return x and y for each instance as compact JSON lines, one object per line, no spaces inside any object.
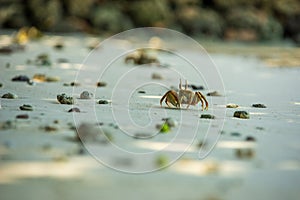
{"x":207,"y":116}
{"x":26,"y":107}
{"x":196,"y":87}
{"x":21,"y":78}
{"x":259,"y":105}
{"x":214,"y":94}
{"x":9,"y":96}
{"x":236,"y":134}
{"x":64,"y":99}
{"x":102,"y":102}
{"x":74,"y":110}
{"x":22,"y":116}
{"x":101,"y":84}
{"x":250,"y":139}
{"x":241,"y":114}
{"x":142,"y":92}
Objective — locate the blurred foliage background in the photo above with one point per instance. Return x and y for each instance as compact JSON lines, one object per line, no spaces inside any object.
{"x":242,"y":20}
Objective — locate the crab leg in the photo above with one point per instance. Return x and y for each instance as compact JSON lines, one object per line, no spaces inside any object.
{"x":202,"y":99}
{"x":171,"y":97}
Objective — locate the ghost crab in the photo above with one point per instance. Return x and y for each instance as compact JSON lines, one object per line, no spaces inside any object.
{"x":184,"y":96}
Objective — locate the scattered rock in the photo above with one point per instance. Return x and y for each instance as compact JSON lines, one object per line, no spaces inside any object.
{"x":74,"y":110}
{"x":50,"y":128}
{"x":196,"y":87}
{"x":201,"y":144}
{"x":101,"y":84}
{"x":58,"y":46}
{"x":26,"y":107}
{"x":232,"y":105}
{"x":246,"y":153}
{"x":157,"y":76}
{"x":214,"y":94}
{"x":91,"y":133}
{"x":103,"y":101}
{"x":44,"y":78}
{"x":250,"y":139}
{"x":142,"y":92}
{"x":22,"y":116}
{"x":236,"y":134}
{"x":9,"y":96}
{"x":62,"y":60}
{"x":21,"y":78}
{"x":64,"y":99}
{"x":86,"y":95}
{"x":1,"y":85}
{"x":259,"y":105}
{"x":43,"y":60}
{"x":241,"y":114}
{"x":141,"y":57}
{"x":260,"y":128}
{"x":207,"y":116}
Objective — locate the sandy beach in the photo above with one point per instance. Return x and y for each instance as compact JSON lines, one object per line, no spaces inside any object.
{"x":130,"y":158}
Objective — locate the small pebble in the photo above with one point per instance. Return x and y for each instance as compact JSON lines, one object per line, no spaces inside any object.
{"x":43,"y":60}
{"x":244,"y":153}
{"x":26,"y":107}
{"x":102,"y":101}
{"x":62,"y":60}
{"x":250,"y":139}
{"x":157,"y":76}
{"x":236,"y":134}
{"x":21,"y":78}
{"x":241,"y":114}
{"x":232,"y":105}
{"x":22,"y":116}
{"x":207,"y":116}
{"x":93,"y":134}
{"x":64,"y":99}
{"x":196,"y":87}
{"x":142,"y":92}
{"x":50,"y":128}
{"x":74,"y":84}
{"x":259,"y":105}
{"x":86,"y":95}
{"x":101,"y":84}
{"x":214,"y":94}
{"x":1,"y":85}
{"x":7,"y":125}
{"x":58,"y":46}
{"x":74,"y":110}
{"x":9,"y":96}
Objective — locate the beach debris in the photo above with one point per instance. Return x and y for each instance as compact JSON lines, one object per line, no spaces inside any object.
{"x":141,"y":57}
{"x":101,"y":84}
{"x":73,"y":84}
{"x":241,"y":114}
{"x":142,"y":92}
{"x":44,"y":78}
{"x":11,"y":48}
{"x":26,"y":107}
{"x":162,"y":161}
{"x":75,"y":109}
{"x":22,"y":116}
{"x":171,"y":122}
{"x":157,"y":76}
{"x":91,"y":133}
{"x":21,"y":78}
{"x":250,"y":139}
{"x":244,"y":153}
{"x":259,"y":105}
{"x":214,"y":94}
{"x":163,"y":128}
{"x":232,"y":105}
{"x":86,"y":95}
{"x":9,"y":96}
{"x":43,"y":60}
{"x":64,"y":99}
{"x":184,"y":96}
{"x":207,"y":116}
{"x":1,"y":85}
{"x":25,"y":34}
{"x":103,"y":101}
